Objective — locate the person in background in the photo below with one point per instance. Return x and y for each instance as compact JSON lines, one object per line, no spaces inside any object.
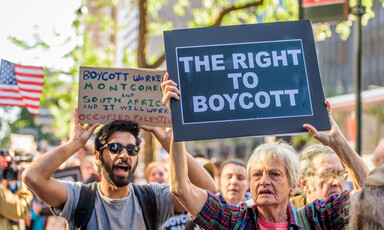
{"x":217,"y":161}
{"x":14,"y":206}
{"x":233,"y":181}
{"x":156,"y":172}
{"x":36,"y":219}
{"x":2,"y":164}
{"x":88,"y":170}
{"x":366,"y":208}
{"x":207,"y":164}
{"x":378,"y":155}
{"x":321,"y":175}
{"x":78,"y":157}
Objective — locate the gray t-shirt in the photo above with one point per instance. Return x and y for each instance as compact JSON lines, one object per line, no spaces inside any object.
{"x":114,"y":214}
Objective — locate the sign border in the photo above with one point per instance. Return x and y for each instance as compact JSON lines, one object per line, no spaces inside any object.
{"x":245,"y":119}
{"x":223,"y":35}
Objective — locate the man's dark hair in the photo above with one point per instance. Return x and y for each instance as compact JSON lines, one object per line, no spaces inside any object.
{"x":232,"y":161}
{"x":106,"y":132}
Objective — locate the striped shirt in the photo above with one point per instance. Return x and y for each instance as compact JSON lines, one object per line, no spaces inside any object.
{"x":218,"y":214}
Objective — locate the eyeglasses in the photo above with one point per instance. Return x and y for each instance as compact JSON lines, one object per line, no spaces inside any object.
{"x":116,"y":148}
{"x":328,"y":175}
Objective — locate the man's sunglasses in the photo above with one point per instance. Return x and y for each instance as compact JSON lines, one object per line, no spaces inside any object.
{"x":116,"y":148}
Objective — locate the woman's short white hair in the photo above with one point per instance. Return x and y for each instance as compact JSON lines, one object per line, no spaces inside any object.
{"x":281,"y":150}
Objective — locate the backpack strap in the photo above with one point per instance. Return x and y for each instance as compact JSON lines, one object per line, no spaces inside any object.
{"x":303,"y":220}
{"x":85,"y":206}
{"x":147,"y":201}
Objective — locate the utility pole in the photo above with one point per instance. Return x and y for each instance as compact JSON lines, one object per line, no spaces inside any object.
{"x":358,"y":11}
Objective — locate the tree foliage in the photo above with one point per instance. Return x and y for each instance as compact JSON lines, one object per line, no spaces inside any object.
{"x":61,"y":87}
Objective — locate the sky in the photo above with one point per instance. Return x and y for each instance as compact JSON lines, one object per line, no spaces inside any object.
{"x":24,"y":18}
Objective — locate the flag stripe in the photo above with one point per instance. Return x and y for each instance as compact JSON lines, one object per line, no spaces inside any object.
{"x":10,"y":93}
{"x":32,"y":106}
{"x":12,"y":103}
{"x":28,"y":67}
{"x":32,"y":90}
{"x":31,"y":101}
{"x":14,"y":87}
{"x":12,"y":98}
{"x":30,"y":83}
{"x":28,"y":87}
{"x":30,"y":79}
{"x":24,"y":74}
{"x":30,"y":95}
{"x":9,"y":90}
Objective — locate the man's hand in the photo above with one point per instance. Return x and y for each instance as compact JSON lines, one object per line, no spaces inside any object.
{"x":336,"y":140}
{"x":170,"y":90}
{"x":163,"y":135}
{"x":327,"y":137}
{"x":80,"y":133}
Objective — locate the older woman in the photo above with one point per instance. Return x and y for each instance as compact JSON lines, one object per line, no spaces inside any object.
{"x":273,"y":174}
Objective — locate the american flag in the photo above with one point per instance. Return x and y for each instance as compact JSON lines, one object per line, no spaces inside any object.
{"x":21,"y":85}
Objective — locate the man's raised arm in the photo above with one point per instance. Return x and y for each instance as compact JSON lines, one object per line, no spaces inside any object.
{"x":336,"y":140}
{"x":37,"y":176}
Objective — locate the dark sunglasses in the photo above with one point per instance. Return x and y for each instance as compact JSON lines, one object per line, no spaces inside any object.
{"x":116,"y":148}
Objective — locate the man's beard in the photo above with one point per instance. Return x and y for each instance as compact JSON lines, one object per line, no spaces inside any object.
{"x":113,"y":179}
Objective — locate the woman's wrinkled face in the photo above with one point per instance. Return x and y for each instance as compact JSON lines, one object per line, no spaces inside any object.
{"x":269,"y":184}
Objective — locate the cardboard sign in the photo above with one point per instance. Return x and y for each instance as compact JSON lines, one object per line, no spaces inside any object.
{"x":107,"y":94}
{"x":247,"y":80}
{"x":22,"y":143}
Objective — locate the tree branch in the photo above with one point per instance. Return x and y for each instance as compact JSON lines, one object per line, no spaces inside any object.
{"x":143,"y":35}
{"x":226,"y":11}
{"x":158,"y":63}
{"x":234,"y":8}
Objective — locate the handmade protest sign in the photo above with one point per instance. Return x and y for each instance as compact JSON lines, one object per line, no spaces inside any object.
{"x":247,"y":80}
{"x":107,"y":94}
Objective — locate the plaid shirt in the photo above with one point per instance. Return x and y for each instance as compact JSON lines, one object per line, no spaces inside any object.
{"x":218,"y":214}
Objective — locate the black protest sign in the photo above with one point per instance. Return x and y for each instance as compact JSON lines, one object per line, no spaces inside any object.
{"x":248,"y":80}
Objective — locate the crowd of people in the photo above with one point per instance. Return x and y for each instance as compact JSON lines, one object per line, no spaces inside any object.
{"x":274,"y":189}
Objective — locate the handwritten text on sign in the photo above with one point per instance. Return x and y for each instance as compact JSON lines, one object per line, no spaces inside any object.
{"x":107,"y":94}
{"x":247,"y":81}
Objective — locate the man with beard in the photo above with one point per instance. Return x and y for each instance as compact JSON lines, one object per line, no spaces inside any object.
{"x":116,"y":206}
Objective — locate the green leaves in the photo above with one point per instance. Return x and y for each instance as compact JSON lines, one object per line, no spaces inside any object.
{"x":26,"y":46}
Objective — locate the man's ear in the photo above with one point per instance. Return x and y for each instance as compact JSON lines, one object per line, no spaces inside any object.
{"x":97,"y":157}
{"x":303,"y":183}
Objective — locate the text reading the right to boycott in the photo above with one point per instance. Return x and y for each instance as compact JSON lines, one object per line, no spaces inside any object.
{"x":243,"y":62}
